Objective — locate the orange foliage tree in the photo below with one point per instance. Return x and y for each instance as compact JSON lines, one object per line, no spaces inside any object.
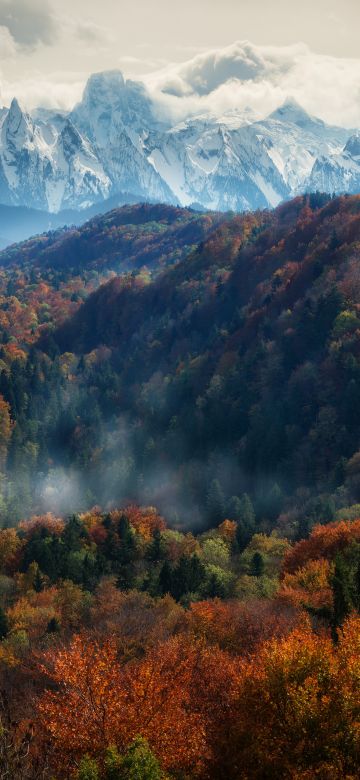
{"x":134,"y":619}
{"x":324,"y":542}
{"x":98,"y":702}
{"x":10,"y":546}
{"x":309,"y":586}
{"x":240,"y":627}
{"x":55,"y":525}
{"x":297,"y":713}
{"x":144,"y":520}
{"x":179,"y":697}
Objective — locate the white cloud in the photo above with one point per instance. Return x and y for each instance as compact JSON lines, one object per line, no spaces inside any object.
{"x":261,"y":77}
{"x":91,"y":33}
{"x":7,"y":44}
{"x":242,"y":61}
{"x":59,"y":90}
{"x":236,"y":77}
{"x":29,"y":22}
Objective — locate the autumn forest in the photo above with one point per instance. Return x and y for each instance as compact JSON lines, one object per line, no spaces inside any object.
{"x":180,"y":496}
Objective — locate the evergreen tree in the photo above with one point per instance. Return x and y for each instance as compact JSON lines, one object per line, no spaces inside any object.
{"x":215,"y":503}
{"x":53,"y":626}
{"x":38,"y":581}
{"x":4,"y":624}
{"x":196,"y":573}
{"x":73,"y":534}
{"x":126,"y":576}
{"x":126,"y":551}
{"x":247,"y":512}
{"x":124,"y":528}
{"x":181,"y":578}
{"x":246,"y":524}
{"x":165,"y":579}
{"x":157,"y":548}
{"x":342,"y":595}
{"x":215,"y":587}
{"x":89,"y":572}
{"x":274,"y":502}
{"x":257,"y":565}
{"x":357,"y":583}
{"x":303,"y":528}
{"x":233,"y":508}
{"x":242,"y":537}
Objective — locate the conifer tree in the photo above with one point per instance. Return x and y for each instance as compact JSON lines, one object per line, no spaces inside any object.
{"x":4,"y":625}
{"x":257,"y":565}
{"x":215,"y":503}
{"x":165,"y":579}
{"x":342,"y":596}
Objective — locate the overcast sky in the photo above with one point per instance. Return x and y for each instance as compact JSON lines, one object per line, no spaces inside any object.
{"x":48,"y":47}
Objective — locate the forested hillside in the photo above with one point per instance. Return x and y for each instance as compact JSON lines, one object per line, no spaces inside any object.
{"x":234,"y":369}
{"x":180,"y":497}
{"x":45,"y":279}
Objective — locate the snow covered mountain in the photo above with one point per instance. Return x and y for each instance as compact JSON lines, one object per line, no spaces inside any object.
{"x":252,"y":165}
{"x":338,"y":172}
{"x":117,"y":140}
{"x":116,"y":116}
{"x":45,"y":167}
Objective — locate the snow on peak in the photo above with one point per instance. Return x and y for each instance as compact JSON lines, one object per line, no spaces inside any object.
{"x":114,"y":140}
{"x":353,"y":145}
{"x":17,"y":123}
{"x":110,"y":104}
{"x":292,"y":111}
{"x":103,"y":88}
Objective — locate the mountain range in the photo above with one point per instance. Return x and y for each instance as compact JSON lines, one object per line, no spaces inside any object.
{"x":117,"y":140}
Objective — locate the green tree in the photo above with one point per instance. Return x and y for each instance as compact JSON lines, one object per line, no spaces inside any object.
{"x":274,"y":501}
{"x":187,"y":576}
{"x":303,"y":527}
{"x":215,"y":503}
{"x":246,"y":523}
{"x":139,"y":763}
{"x":73,"y":534}
{"x":257,"y":565}
{"x":4,"y":625}
{"x":53,"y":626}
{"x":247,"y":512}
{"x":157,"y":548}
{"x":88,"y":769}
{"x":38,"y":581}
{"x":342,"y":592}
{"x":165,"y":579}
{"x":233,"y":508}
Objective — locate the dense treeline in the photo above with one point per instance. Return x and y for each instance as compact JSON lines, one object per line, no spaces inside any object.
{"x":130,"y":650}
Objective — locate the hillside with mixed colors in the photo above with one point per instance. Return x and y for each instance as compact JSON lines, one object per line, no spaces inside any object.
{"x":180,"y":496}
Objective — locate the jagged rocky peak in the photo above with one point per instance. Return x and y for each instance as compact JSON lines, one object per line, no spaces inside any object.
{"x":110,"y":100}
{"x":17,"y":124}
{"x":353,"y":145}
{"x":292,"y":111}
{"x":103,"y":88}
{"x":111,"y":90}
{"x":15,"y":112}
